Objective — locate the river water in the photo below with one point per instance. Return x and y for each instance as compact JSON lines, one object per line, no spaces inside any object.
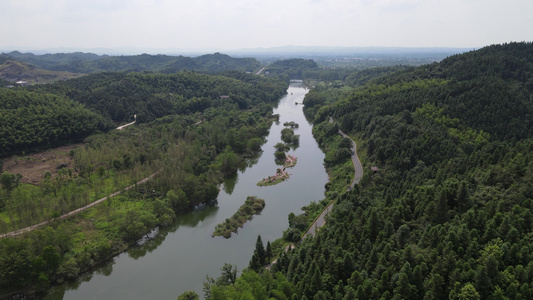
{"x":178,"y":258}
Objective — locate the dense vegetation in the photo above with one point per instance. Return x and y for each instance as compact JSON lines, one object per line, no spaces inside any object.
{"x":92,"y":63}
{"x":291,"y":67}
{"x":186,"y":155}
{"x":49,"y":115}
{"x":119,"y":96}
{"x":448,"y":213}
{"x":13,"y":71}
{"x":252,"y":206}
{"x":32,"y":121}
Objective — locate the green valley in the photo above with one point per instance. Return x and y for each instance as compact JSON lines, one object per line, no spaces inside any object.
{"x":446,"y":212}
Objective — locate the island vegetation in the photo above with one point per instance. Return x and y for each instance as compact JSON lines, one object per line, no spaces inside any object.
{"x":288,"y":136}
{"x":252,"y":206}
{"x":282,"y":158}
{"x":291,"y":124}
{"x":281,"y":173}
{"x":290,"y":141}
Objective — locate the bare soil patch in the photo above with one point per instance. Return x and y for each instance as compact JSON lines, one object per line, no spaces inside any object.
{"x":32,"y":167}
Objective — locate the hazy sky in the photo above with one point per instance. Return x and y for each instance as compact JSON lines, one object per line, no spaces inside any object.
{"x":236,"y":24}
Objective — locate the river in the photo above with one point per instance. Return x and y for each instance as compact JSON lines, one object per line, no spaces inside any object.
{"x":178,"y":258}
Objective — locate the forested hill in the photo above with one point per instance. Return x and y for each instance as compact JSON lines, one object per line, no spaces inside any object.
{"x":447,"y":213}
{"x":72,"y":62}
{"x":211,"y":124}
{"x":294,"y":68}
{"x":42,"y":116}
{"x":490,"y":89}
{"x":12,"y":71}
{"x":35,"y":121}
{"x":119,"y":96}
{"x":92,"y":63}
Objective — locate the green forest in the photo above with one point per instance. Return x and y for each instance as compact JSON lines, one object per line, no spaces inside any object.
{"x":186,"y":139}
{"x":119,"y":96}
{"x":92,"y":63}
{"x":443,"y":211}
{"x":32,"y":120}
{"x":42,"y":116}
{"x":447,"y":212}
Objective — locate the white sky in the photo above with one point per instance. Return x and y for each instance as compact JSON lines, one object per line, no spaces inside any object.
{"x":237,"y":24}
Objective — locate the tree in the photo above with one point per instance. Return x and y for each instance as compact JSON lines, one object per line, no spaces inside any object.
{"x":228,"y":164}
{"x":441,"y":209}
{"x":483,"y":282}
{"x":228,"y":276}
{"x":349,"y":294}
{"x":254,"y":144}
{"x":254,"y":263}
{"x":403,"y":289}
{"x":52,"y":259}
{"x":269,"y":253}
{"x":403,"y":234}
{"x":260,"y":250}
{"x":178,"y":199}
{"x":9,"y":181}
{"x":189,"y":295}
{"x":463,"y":200}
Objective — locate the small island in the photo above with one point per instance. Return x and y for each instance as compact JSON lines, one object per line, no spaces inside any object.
{"x":252,"y":206}
{"x":291,"y":124}
{"x":281,"y":174}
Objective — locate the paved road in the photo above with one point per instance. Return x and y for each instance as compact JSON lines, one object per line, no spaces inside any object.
{"x":358,"y":167}
{"x":259,"y":72}
{"x":74,"y":212}
{"x":358,"y":174}
{"x":319,"y":222}
{"x":129,"y":124}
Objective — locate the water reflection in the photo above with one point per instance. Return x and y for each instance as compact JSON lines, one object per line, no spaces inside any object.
{"x":189,"y":253}
{"x":229,"y":183}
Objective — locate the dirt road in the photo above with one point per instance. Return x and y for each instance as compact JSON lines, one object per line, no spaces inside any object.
{"x":74,"y":212}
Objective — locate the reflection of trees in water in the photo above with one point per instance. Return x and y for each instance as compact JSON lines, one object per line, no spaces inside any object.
{"x":191,"y":219}
{"x":104,"y":269}
{"x":249,"y":162}
{"x":56,"y":293}
{"x":229,"y":183}
{"x":148,"y":244}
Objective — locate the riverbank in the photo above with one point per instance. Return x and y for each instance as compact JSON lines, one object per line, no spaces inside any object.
{"x":180,"y":250}
{"x":358,"y":175}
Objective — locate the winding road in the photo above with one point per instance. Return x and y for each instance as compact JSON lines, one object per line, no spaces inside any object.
{"x":358,"y":174}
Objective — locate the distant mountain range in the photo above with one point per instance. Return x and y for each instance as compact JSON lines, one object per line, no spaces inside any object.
{"x":351,"y":51}
{"x":86,"y":63}
{"x":40,"y":68}
{"x":282,"y":50}
{"x":15,"y":71}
